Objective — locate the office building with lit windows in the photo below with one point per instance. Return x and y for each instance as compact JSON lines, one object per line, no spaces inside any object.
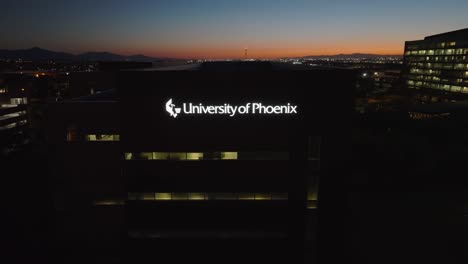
{"x":436,"y":68}
{"x":137,"y":170}
{"x":14,"y":118}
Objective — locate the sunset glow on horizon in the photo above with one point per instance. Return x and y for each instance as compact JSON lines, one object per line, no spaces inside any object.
{"x":259,"y":53}
{"x":222,"y":29}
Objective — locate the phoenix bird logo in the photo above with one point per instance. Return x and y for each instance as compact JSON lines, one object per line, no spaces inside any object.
{"x":171,"y":109}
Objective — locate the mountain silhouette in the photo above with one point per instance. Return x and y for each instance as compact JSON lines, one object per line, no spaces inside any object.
{"x":352,"y":56}
{"x":38,"y":54}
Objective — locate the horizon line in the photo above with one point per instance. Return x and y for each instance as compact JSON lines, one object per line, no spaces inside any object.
{"x":206,"y":57}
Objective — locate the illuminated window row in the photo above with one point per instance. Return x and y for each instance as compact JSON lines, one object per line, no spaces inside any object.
{"x":425,"y":116}
{"x":14,"y":120}
{"x":13,"y":125}
{"x":311,"y":204}
{"x":181,"y":156}
{"x":437,"y":78}
{"x":109,"y":202}
{"x":445,"y":87}
{"x":311,"y":198}
{"x":201,"y":196}
{"x":427,"y":78}
{"x":447,"y":66}
{"x":102,"y":137}
{"x":453,"y":59}
{"x":424,"y":71}
{"x":436,"y":52}
{"x":207,"y":156}
{"x":11,"y":115}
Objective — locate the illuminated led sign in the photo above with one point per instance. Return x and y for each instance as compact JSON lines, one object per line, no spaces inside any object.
{"x":230,"y":110}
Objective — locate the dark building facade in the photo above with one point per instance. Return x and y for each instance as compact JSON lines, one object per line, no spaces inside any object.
{"x":436,"y":68}
{"x":202,"y":164}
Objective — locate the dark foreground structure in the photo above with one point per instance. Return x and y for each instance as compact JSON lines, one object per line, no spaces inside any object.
{"x":216,"y":163}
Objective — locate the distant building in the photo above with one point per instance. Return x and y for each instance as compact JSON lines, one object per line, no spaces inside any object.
{"x":436,"y":68}
{"x":23,"y":97}
{"x":14,"y":98}
{"x":378,"y":81}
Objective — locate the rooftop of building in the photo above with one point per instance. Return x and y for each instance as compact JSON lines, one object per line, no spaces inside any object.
{"x":451,"y":36}
{"x":214,"y":67}
{"x":456,"y":35}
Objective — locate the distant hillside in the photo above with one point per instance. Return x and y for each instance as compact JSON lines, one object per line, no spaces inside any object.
{"x":352,"y":56}
{"x":39,"y":54}
{"x":35,"y":54}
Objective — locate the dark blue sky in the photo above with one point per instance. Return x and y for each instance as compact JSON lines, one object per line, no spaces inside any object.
{"x":222,"y":29}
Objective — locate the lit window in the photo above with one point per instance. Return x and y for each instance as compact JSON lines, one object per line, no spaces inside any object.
{"x":109,"y":202}
{"x":163,"y":196}
{"x":102,"y":137}
{"x":194,"y":156}
{"x":206,"y":196}
{"x":183,"y":156}
{"x":160,"y":155}
{"x":196,"y":196}
{"x":229,"y":155}
{"x":263,"y":196}
{"x":445,"y":87}
{"x":128,"y":156}
{"x":312,"y":195}
{"x":311,"y":204}
{"x":456,"y":88}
